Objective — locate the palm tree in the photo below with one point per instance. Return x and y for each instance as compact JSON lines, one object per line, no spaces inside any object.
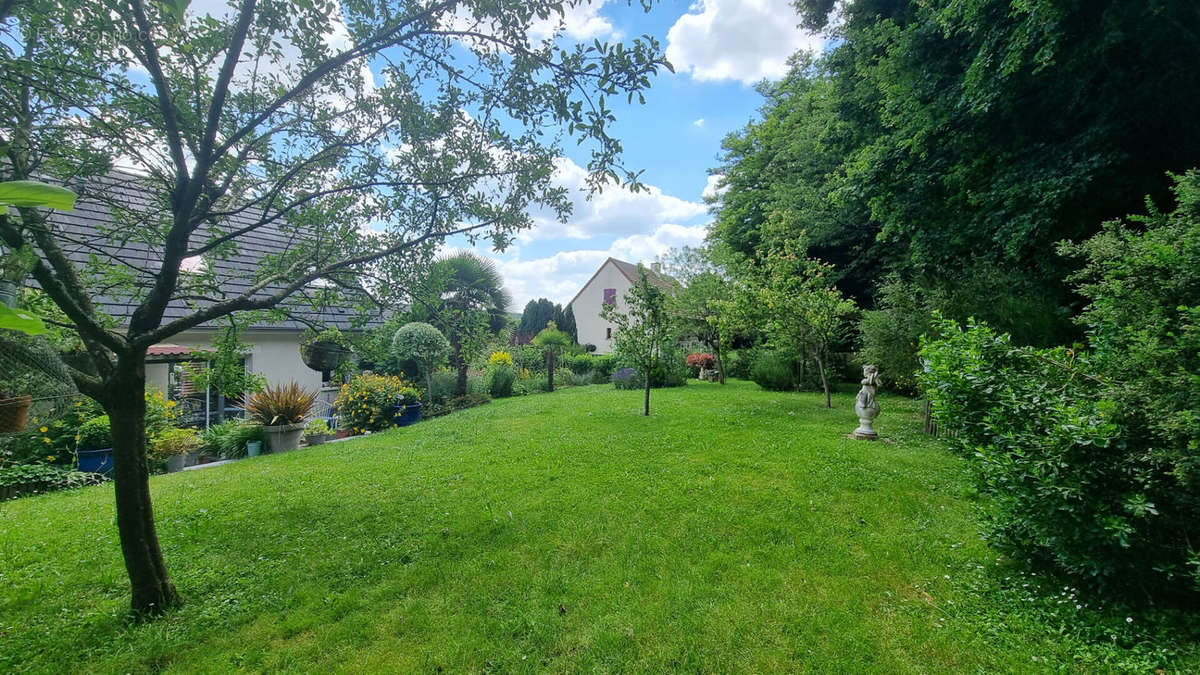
{"x":465,"y":297}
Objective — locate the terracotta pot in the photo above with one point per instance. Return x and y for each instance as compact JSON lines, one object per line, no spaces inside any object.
{"x":14,"y":413}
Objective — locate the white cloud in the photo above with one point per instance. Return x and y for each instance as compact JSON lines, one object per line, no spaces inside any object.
{"x":699,"y":123}
{"x":580,"y":22}
{"x":617,"y":211}
{"x":714,"y":188}
{"x":744,"y":40}
{"x":560,"y":276}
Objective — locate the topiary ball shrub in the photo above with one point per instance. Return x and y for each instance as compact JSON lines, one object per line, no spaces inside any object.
{"x":773,"y":371}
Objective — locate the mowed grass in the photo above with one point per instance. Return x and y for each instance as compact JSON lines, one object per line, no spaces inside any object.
{"x":733,"y":530}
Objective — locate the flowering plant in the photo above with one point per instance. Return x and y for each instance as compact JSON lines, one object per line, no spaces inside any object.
{"x":369,"y":402}
{"x":701,"y":360}
{"x":500,"y":358}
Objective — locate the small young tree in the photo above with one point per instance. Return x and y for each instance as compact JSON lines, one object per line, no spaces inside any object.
{"x":423,"y":344}
{"x":552,"y":341}
{"x":802,"y":313}
{"x":642,"y":329}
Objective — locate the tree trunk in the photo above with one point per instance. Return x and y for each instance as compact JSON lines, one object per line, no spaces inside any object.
{"x":646,"y":408}
{"x":125,"y":402}
{"x":550,"y":369}
{"x":824,"y":382}
{"x":720,"y":364}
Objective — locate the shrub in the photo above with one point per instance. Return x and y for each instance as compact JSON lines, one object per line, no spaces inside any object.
{"x":228,"y":439}
{"x":500,"y":358}
{"x":891,"y":333}
{"x":1073,"y":482}
{"x":670,"y":371}
{"x":737,"y":363}
{"x":20,"y":480}
{"x":500,"y":380}
{"x":603,"y":365}
{"x":626,"y":378}
{"x":580,"y":364}
{"x":443,"y":385}
{"x":172,"y":442}
{"x":773,"y":371}
{"x":94,"y":434}
{"x":1092,"y":458}
{"x":317,"y":427}
{"x":700,"y":360}
{"x":368,"y":402}
{"x":422,"y":344}
{"x":286,"y":404}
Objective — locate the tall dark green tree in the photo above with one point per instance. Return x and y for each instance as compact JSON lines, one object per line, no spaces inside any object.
{"x":568,"y":324}
{"x":955,"y":142}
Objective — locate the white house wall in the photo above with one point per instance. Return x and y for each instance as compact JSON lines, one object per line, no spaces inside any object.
{"x":593,"y":329}
{"x":273,"y":354}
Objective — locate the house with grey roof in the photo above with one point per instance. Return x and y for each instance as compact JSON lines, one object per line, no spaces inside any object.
{"x":93,"y":237}
{"x":608,"y":286}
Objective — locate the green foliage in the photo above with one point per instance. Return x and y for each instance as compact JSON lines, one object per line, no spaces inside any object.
{"x":224,"y":369}
{"x":643,"y":330}
{"x":423,"y":344}
{"x":317,"y":427}
{"x":1092,"y":458}
{"x":369,"y":402}
{"x":22,"y":480}
{"x":501,"y":378}
{"x":94,"y":434}
{"x":281,"y":405}
{"x":773,"y":371}
{"x":1069,"y":482}
{"x":891,"y":333}
{"x":173,"y":441}
{"x":228,"y":439}
{"x":935,"y":139}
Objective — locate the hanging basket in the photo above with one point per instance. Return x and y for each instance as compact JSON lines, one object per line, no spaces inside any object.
{"x":324,"y":355}
{"x":14,"y":413}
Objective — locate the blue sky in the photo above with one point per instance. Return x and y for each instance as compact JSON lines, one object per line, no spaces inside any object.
{"x":719,"y":49}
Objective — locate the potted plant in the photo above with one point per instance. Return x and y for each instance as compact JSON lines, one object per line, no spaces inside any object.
{"x":172,"y":446}
{"x":317,"y":432}
{"x":93,"y":445}
{"x":327,"y":350}
{"x":407,"y":407}
{"x":281,"y":410}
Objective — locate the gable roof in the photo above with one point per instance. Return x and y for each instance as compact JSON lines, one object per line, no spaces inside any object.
{"x":92,"y":232}
{"x":630,"y":272}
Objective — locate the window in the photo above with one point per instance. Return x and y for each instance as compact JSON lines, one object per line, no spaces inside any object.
{"x":610,"y":296}
{"x":608,"y":333}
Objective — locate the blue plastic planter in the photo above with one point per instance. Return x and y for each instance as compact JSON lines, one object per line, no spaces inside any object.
{"x":409,"y":414}
{"x":96,"y":461}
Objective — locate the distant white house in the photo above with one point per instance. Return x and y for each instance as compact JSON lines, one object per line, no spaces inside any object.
{"x":606,"y":287}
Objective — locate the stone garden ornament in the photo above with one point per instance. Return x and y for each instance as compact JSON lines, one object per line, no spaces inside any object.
{"x":865,"y":405}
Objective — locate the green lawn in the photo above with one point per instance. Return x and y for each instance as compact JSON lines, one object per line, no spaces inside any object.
{"x":734,"y":530}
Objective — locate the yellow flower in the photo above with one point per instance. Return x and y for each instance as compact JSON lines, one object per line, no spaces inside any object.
{"x":49,"y":458}
{"x":43,"y":430}
{"x":46,"y":440}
